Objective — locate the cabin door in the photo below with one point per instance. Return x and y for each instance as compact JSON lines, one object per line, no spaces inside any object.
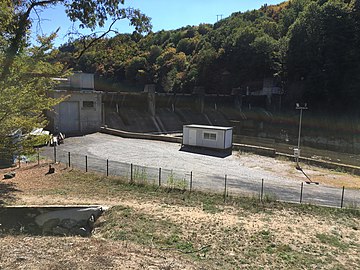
{"x":192,"y":137}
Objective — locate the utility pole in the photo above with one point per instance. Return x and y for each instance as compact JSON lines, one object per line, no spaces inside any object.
{"x":217,"y":17}
{"x":297,"y":150}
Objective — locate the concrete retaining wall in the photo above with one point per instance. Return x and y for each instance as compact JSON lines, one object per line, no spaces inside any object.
{"x":49,"y":220}
{"x":264,"y":151}
{"x":143,"y":136}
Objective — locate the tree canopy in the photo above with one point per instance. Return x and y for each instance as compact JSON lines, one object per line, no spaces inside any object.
{"x":89,"y":13}
{"x":23,"y":95}
{"x":309,"y":47}
{"x":26,"y":70}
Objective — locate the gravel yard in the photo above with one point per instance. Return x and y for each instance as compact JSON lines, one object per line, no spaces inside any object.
{"x":244,"y":171}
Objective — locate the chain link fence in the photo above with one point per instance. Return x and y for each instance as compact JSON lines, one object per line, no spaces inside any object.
{"x":228,"y":185}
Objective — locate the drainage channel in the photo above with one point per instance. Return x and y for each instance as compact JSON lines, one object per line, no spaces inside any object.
{"x":61,"y":220}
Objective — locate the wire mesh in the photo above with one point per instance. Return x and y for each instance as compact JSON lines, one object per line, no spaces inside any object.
{"x":322,"y":195}
{"x":175,"y":179}
{"x":231,"y":185}
{"x":144,"y":175}
{"x":61,"y":156}
{"x":117,"y":168}
{"x":351,"y":198}
{"x":207,"y":182}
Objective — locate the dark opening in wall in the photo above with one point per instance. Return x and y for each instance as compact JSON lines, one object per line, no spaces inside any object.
{"x":88,"y":104}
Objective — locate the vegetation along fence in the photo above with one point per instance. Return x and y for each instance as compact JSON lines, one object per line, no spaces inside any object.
{"x":228,"y":185}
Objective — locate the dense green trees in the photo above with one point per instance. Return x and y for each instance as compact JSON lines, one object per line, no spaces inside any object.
{"x":311,"y":47}
{"x":23,"y":96}
{"x":327,"y":55}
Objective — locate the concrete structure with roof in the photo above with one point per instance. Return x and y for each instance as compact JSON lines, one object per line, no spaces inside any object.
{"x":81,"y":111}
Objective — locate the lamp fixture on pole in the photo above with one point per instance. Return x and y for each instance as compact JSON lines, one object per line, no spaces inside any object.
{"x":297,"y":150}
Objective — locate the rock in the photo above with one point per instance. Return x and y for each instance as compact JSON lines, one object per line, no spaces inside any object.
{"x":51,"y":170}
{"x":9,"y":175}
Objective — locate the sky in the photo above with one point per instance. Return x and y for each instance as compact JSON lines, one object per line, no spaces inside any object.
{"x":164,"y":14}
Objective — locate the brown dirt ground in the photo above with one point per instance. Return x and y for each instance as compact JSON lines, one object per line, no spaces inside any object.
{"x":295,"y":231}
{"x":24,"y":252}
{"x":34,"y":252}
{"x":286,"y":169}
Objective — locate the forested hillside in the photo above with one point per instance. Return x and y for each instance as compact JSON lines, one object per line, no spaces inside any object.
{"x":310,"y":48}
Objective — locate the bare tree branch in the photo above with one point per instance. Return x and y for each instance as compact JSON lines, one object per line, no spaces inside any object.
{"x":86,"y":45}
{"x":20,"y":32}
{"x":89,"y":12}
{"x":39,"y":20}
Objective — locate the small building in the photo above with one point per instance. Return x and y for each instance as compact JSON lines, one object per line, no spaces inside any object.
{"x":81,"y":112}
{"x":214,"y":137}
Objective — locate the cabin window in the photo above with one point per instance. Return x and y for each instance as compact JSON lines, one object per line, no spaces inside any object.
{"x":88,"y":104}
{"x":209,"y":136}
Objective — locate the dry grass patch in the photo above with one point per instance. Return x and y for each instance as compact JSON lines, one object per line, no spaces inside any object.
{"x":156,"y":228}
{"x":24,"y":252}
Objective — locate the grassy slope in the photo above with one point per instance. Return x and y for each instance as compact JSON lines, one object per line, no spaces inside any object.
{"x":168,"y":228}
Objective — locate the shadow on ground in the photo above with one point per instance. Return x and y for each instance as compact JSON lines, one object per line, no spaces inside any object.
{"x":207,"y":152}
{"x":7,"y":192}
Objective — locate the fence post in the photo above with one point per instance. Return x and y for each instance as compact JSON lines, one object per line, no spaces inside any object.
{"x":69,"y":159}
{"x":38,"y":156}
{"x":159,"y":177}
{"x":301,"y":191}
{"x":262,"y":190}
{"x":107,"y":167}
{"x":225,"y":188}
{"x":54,"y":153}
{"x":342,"y":197}
{"x":86,"y":163}
{"x":191,"y":179}
{"x":131,"y":172}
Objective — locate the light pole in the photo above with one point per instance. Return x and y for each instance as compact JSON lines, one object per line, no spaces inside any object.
{"x":297,"y":150}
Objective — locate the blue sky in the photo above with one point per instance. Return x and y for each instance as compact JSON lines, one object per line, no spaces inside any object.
{"x":165,"y":14}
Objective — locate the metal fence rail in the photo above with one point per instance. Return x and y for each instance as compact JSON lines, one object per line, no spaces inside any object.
{"x":228,"y":185}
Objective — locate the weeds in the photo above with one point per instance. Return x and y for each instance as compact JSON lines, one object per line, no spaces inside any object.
{"x":91,"y":184}
{"x":269,"y":198}
{"x":331,"y":240}
{"x":352,"y":206}
{"x":235,"y":243}
{"x":123,"y":223}
{"x":176,"y":183}
{"x":140,"y":176}
{"x":211,"y":206}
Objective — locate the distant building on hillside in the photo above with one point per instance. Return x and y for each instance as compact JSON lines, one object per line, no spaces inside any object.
{"x":266,"y":93}
{"x":81,"y":112}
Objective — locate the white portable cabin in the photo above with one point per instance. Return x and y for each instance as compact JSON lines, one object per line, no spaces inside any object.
{"x":208,"y":136}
